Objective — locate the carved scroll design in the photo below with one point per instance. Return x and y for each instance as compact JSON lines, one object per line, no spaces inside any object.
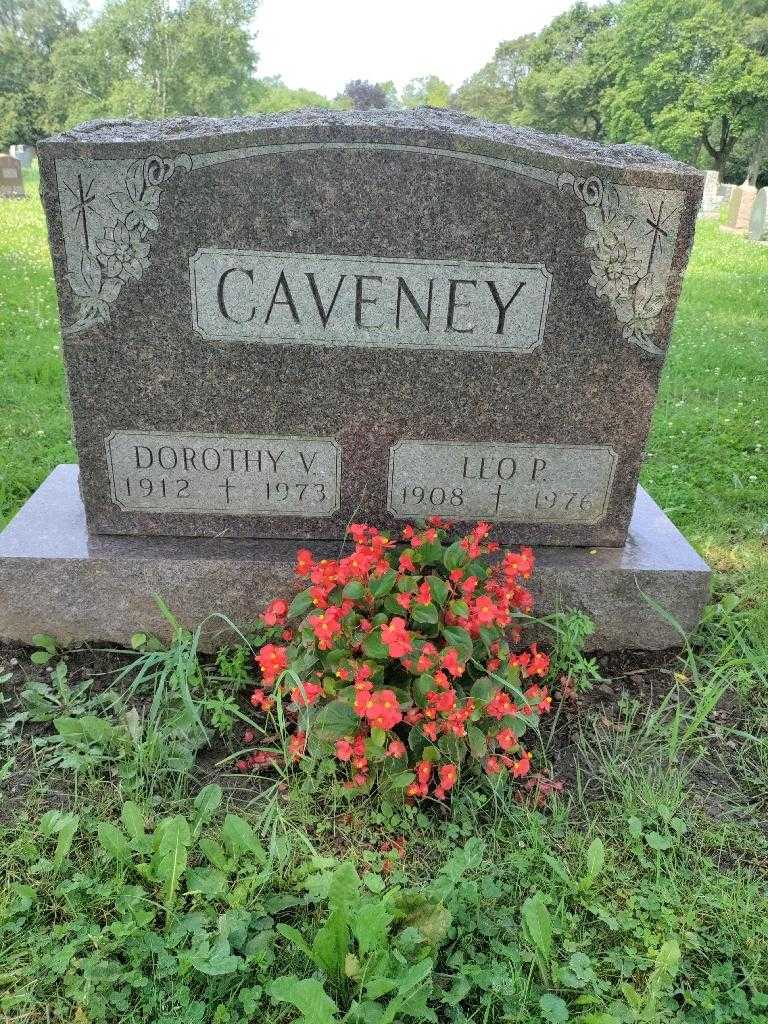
{"x":632,"y":251}
{"x":120,"y":254}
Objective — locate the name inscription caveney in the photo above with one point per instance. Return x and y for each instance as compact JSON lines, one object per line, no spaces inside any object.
{"x":370,"y":302}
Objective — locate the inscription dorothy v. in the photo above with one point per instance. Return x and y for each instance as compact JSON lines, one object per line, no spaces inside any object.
{"x":371,"y":302}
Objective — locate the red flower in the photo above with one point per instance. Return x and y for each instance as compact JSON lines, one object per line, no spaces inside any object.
{"x":272,"y":660}
{"x":325,"y":627}
{"x":396,"y":638}
{"x":448,"y":773}
{"x":506,"y":739}
{"x":344,"y":750}
{"x":424,"y":595}
{"x":523,"y":766}
{"x":259,"y":699}
{"x":380,"y":708}
{"x":274,"y":614}
{"x":450,"y":660}
{"x":492,"y":765}
{"x":405,"y":563}
{"x":304,"y":562}
{"x":500,"y":705}
{"x":306,"y":694}
{"x":408,"y":532}
{"x":396,"y":749}
{"x":297,"y":745}
{"x":404,"y":600}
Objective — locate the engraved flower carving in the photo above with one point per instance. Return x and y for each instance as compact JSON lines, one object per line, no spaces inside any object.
{"x":123,"y":253}
{"x":616,"y":266}
{"x":640,"y":311}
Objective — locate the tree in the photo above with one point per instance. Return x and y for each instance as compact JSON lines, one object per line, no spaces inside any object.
{"x":494,"y":91}
{"x":365,"y":95}
{"x":568,"y":74}
{"x":683,"y":79}
{"x":29,"y":30}
{"x":152,"y":58}
{"x":272,"y":95}
{"x":429,"y":91}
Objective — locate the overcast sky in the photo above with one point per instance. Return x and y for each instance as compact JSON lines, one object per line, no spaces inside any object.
{"x":322,"y":44}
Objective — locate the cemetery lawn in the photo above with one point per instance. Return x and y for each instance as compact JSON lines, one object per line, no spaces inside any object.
{"x":141,"y":880}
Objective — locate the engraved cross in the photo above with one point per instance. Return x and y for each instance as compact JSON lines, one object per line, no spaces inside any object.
{"x":84,"y":198}
{"x":657,"y":230}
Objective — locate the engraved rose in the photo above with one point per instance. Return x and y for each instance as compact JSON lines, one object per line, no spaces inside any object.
{"x":123,"y":253}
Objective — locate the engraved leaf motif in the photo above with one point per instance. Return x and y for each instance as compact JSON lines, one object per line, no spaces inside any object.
{"x":87,"y":284}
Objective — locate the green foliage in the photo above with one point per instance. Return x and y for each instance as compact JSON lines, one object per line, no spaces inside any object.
{"x":428,"y":91}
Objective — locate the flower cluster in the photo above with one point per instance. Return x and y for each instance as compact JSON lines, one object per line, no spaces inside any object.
{"x":401,"y":660}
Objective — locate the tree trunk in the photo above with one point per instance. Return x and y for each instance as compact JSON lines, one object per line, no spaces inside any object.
{"x":758,"y":156}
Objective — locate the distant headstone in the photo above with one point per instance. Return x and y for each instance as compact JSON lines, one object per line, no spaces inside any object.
{"x":387,"y":316}
{"x":734,"y":205}
{"x":23,"y":154}
{"x":710,"y":201}
{"x":724,"y":193}
{"x":748,"y":193}
{"x":758,"y":222}
{"x":11,"y":181}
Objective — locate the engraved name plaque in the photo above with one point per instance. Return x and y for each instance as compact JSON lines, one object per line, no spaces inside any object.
{"x":535,"y":483}
{"x":272,"y":297}
{"x":237,"y":474}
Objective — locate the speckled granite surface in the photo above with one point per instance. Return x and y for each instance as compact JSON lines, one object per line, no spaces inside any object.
{"x":57,"y":578}
{"x":598,"y":237}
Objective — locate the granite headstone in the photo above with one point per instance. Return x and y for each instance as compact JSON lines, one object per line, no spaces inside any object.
{"x":11,"y":181}
{"x":274,"y":325}
{"x":758,"y":222}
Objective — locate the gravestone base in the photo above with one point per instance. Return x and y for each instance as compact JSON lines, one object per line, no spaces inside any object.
{"x":57,"y":578}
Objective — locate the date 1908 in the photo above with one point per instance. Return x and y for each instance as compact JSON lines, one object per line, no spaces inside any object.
{"x":501,"y":482}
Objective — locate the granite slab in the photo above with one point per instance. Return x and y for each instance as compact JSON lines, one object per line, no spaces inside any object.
{"x":57,"y":578}
{"x":273,"y":325}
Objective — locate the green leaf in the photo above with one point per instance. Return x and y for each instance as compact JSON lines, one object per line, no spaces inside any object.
{"x":66,"y":830}
{"x":308,"y":996}
{"x":133,"y":821}
{"x":215,"y":960}
{"x":334,"y":720}
{"x":424,"y":613}
{"x":595,"y":859}
{"x":385,"y":583}
{"x":459,"y":638}
{"x":439,"y":589}
{"x":455,"y":556}
{"x":296,"y":938}
{"x":477,"y":741}
{"x":46,"y":641}
{"x":138,"y":640}
{"x":207,"y":800}
{"x":484,"y":688}
{"x":238,"y":837}
{"x":40,"y":657}
{"x":658,"y":842}
{"x":214,"y":853}
{"x":459,"y":608}
{"x":668,"y":957}
{"x":344,"y":888}
{"x":538,"y":925}
{"x":331,"y":944}
{"x":113,"y":842}
{"x":374,"y":648}
{"x":300,"y":605}
{"x":554,"y":1009}
{"x":354,"y":590}
{"x":208,"y":881}
{"x":170,"y":861}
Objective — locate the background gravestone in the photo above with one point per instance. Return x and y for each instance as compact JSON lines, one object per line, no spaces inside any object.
{"x":758,"y":223}
{"x":734,"y":205}
{"x":274,"y":325}
{"x":23,"y":154}
{"x":710,"y":203}
{"x":748,"y":193}
{"x":11,"y":181}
